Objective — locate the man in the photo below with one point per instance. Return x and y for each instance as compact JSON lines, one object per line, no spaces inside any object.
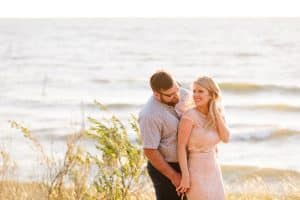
{"x":158,"y":121}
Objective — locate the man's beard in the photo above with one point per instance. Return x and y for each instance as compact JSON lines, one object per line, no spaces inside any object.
{"x":171,"y":103}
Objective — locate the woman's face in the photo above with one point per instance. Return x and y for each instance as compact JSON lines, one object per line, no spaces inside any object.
{"x":201,"y":95}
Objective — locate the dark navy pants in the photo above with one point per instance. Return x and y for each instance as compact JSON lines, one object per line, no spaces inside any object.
{"x":164,"y":189}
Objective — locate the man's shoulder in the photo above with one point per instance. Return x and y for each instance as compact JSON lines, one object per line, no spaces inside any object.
{"x":150,"y":109}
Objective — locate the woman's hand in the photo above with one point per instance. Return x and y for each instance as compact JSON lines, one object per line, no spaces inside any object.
{"x":184,"y":184}
{"x":217,"y":111}
{"x":221,"y":125}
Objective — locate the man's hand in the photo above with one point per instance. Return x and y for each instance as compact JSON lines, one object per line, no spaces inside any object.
{"x":175,"y":179}
{"x":184,"y":185}
{"x":162,"y":166}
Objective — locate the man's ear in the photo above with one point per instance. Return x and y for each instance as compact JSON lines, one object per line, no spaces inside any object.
{"x":156,"y":94}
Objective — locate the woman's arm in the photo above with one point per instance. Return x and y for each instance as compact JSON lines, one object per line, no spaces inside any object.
{"x":184,"y":132}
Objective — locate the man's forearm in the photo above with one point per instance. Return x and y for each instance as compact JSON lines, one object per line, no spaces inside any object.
{"x":157,"y":160}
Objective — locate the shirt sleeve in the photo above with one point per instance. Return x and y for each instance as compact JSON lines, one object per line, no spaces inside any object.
{"x":150,"y":131}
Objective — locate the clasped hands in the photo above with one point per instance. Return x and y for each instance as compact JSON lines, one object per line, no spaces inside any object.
{"x":184,"y":185}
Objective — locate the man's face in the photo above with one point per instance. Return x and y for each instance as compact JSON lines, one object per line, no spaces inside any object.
{"x":169,"y":96}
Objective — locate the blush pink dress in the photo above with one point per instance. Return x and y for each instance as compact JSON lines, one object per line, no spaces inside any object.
{"x":205,"y":174}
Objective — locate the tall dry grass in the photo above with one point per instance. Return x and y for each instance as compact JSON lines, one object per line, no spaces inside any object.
{"x":120,"y":166}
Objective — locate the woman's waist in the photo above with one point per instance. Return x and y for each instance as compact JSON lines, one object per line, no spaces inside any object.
{"x":202,"y":148}
{"x":202,"y":153}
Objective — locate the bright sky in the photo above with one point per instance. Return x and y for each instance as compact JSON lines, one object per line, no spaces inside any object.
{"x":150,"y":8}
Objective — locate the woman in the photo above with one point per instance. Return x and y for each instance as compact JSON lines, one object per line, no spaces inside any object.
{"x":201,"y":128}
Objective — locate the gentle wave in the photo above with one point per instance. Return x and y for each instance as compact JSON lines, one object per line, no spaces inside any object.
{"x":116,"y":106}
{"x":120,"y":81}
{"x":236,"y":87}
{"x":239,"y":87}
{"x":271,"y":107}
{"x":280,"y":107}
{"x":247,"y":54}
{"x":252,"y":87}
{"x":246,"y":87}
{"x":264,"y":135}
{"x":102,"y":81}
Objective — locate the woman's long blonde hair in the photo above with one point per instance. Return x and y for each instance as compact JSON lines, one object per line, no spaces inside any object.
{"x":215,"y":93}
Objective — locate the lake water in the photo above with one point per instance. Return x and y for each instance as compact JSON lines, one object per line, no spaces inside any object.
{"x":51,"y":71}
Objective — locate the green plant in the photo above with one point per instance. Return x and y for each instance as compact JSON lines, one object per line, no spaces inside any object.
{"x":120,"y":162}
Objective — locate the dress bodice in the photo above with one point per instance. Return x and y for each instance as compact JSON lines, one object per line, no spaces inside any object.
{"x":201,"y":139}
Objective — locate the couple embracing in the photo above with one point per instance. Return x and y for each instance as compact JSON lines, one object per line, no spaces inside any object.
{"x":180,"y":137}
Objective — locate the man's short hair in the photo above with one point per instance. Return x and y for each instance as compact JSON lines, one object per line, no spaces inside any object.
{"x":161,"y":80}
